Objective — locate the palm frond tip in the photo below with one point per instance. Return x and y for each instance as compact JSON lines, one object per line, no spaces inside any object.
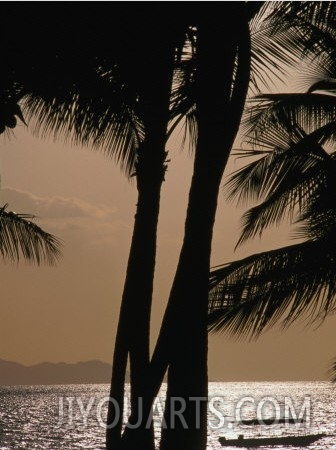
{"x":21,"y":238}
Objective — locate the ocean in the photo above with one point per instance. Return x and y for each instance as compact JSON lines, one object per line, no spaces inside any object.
{"x":73,"y":416}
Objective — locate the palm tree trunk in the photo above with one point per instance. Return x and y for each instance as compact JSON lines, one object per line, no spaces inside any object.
{"x":134,"y":321}
{"x":182,"y":343}
{"x":219,"y":108}
{"x":133,"y":328}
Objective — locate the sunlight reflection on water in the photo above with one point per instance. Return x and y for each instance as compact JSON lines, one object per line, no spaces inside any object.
{"x":30,"y":415}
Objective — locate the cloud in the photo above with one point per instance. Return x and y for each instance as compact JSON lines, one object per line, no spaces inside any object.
{"x":54,"y":207}
{"x":75,"y":221}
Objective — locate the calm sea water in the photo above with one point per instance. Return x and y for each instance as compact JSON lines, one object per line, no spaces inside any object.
{"x":72,"y":416}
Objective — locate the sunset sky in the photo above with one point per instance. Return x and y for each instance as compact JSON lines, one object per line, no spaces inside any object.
{"x":69,"y":312}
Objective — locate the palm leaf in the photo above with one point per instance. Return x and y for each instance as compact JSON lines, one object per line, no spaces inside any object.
{"x":269,"y":62}
{"x":307,"y":25}
{"x":279,"y":148}
{"x":248,"y":296}
{"x":319,"y":218}
{"x":21,"y":238}
{"x":118,"y":132}
{"x":257,"y":178}
{"x":287,"y":177}
{"x":326,"y":84}
{"x":298,"y":179}
{"x":304,"y":29}
{"x":88,"y":91}
{"x":183,"y":101}
{"x":277,"y":111}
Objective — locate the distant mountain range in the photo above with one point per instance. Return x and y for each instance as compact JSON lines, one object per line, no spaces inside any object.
{"x":12,"y":373}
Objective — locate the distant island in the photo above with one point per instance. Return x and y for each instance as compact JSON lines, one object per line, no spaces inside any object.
{"x":12,"y":373}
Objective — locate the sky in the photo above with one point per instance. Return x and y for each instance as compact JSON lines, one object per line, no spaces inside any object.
{"x":69,"y":313}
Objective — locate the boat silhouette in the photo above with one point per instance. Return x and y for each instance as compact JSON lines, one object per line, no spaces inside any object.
{"x":295,"y":440}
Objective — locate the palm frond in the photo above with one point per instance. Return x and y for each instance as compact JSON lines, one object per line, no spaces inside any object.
{"x":248,"y":152}
{"x":297,"y":181}
{"x":319,"y":218}
{"x":183,"y":100}
{"x":88,"y":91}
{"x":284,"y":154}
{"x":254,"y":10}
{"x":307,"y":25}
{"x":97,"y":117}
{"x":326,"y":84}
{"x":269,"y":62}
{"x":280,"y":286}
{"x":21,"y":238}
{"x":284,"y":111}
{"x":304,"y":31}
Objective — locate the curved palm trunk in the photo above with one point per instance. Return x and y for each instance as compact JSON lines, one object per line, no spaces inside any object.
{"x":182,"y":341}
{"x":218,"y":111}
{"x":133,"y":334}
{"x":133,"y":328}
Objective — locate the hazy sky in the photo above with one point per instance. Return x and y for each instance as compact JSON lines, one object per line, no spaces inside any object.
{"x":70,"y":312}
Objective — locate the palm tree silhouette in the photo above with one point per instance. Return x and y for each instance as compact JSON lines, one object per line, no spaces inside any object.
{"x":133,"y":335}
{"x":285,"y":282}
{"x":75,"y":103}
{"x":188,"y":291}
{"x":295,"y":178}
{"x":115,"y":97}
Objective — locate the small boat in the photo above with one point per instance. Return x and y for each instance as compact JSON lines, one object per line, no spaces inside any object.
{"x":295,"y":440}
{"x":271,"y":421}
